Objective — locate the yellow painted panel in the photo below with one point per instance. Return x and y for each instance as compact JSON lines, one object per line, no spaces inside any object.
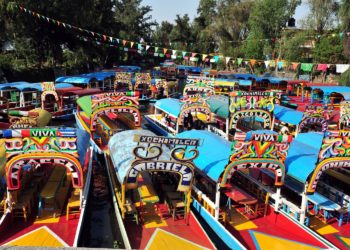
{"x":327,"y":230}
{"x":165,"y":240}
{"x":37,"y":238}
{"x":345,"y":240}
{"x":245,"y":226}
{"x":267,"y":242}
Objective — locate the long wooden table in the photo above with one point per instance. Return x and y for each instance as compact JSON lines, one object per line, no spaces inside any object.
{"x":241,"y":197}
{"x":146,"y":191}
{"x":51,"y":188}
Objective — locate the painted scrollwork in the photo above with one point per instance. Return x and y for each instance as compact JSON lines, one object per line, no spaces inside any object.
{"x":179,"y":154}
{"x":154,"y":151}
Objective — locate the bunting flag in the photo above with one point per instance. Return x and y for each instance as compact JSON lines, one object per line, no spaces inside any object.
{"x":267,"y":63}
{"x":280,"y":64}
{"x":341,"y":68}
{"x":322,"y":67}
{"x":295,"y":65}
{"x":307,"y":67}
{"x":103,"y":39}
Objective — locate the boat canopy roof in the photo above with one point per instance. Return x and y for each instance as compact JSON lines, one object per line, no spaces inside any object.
{"x":225,"y":82}
{"x":22,"y":86}
{"x":214,"y":152}
{"x":219,"y":105}
{"x":67,"y":91}
{"x":81,"y":79}
{"x":63,"y":85}
{"x":169,"y":105}
{"x":245,"y":76}
{"x":130,"y":68}
{"x":303,"y":155}
{"x":121,"y":146}
{"x":271,"y":79}
{"x":288,"y":115}
{"x":242,"y":82}
{"x":189,"y":68}
{"x":100,"y":76}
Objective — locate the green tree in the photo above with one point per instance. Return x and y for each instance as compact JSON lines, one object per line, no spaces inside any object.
{"x":161,"y":34}
{"x":231,"y":25}
{"x":266,"y":21}
{"x":322,"y":14}
{"x":181,"y":34}
{"x":293,"y":45}
{"x":344,"y":16}
{"x":329,"y":49}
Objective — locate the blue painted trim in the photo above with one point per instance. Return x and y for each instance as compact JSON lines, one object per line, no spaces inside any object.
{"x":256,"y":243}
{"x":219,"y":229}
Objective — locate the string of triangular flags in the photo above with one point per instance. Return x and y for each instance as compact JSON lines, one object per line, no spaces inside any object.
{"x":147,"y":48}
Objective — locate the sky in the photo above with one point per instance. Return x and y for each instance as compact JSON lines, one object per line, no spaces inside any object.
{"x":166,"y":10}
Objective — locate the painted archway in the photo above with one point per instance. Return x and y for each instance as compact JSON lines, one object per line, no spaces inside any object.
{"x":15,"y":165}
{"x":162,"y":83}
{"x":314,"y":120}
{"x":263,"y":114}
{"x":142,"y":78}
{"x":247,"y":163}
{"x":195,"y":108}
{"x":123,"y":78}
{"x":116,"y":109}
{"x":330,"y":163}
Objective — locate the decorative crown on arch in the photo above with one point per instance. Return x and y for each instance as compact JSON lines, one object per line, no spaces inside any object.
{"x":241,"y":100}
{"x":269,"y":146}
{"x":112,"y":99}
{"x":27,"y":141}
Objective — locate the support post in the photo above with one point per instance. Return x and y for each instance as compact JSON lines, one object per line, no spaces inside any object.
{"x":123,"y":201}
{"x":217,"y":201}
{"x":278,"y":198}
{"x":303,"y":206}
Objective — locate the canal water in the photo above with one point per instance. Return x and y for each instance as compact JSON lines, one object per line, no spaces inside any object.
{"x":100,"y":227}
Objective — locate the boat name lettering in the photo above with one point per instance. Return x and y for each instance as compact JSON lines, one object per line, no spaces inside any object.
{"x":43,"y":133}
{"x":164,"y":140}
{"x":184,"y":170}
{"x":264,"y":137}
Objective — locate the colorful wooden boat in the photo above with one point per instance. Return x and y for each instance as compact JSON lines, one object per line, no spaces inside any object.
{"x":198,"y":85}
{"x":61,"y":103}
{"x":105,"y":114}
{"x":236,"y":205}
{"x":152,"y":186}
{"x":48,"y":171}
{"x":173,"y":115}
